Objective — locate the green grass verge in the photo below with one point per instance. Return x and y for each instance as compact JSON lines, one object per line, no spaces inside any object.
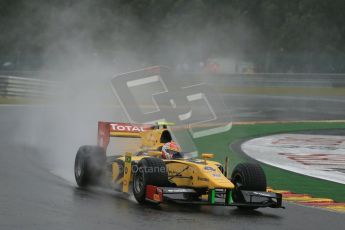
{"x":277,"y":178}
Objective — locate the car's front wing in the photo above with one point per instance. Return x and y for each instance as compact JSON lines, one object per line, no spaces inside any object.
{"x":216,"y":197}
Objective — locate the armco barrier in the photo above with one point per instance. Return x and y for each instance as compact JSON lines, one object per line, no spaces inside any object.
{"x":26,"y":87}
{"x":13,"y":86}
{"x":269,"y":79}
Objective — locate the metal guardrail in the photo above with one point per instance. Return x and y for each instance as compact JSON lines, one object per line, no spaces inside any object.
{"x":301,"y":80}
{"x":277,"y":80}
{"x":13,"y":86}
{"x":26,"y":87}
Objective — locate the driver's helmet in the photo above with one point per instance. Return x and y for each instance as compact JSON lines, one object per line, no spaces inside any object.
{"x":170,"y":150}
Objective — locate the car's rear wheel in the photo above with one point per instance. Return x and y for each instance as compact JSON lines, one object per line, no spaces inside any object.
{"x":149,"y":171}
{"x":89,"y":165}
{"x":250,"y":177}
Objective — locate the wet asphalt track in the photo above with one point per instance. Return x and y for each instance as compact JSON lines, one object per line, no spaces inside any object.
{"x":33,"y":198}
{"x":37,"y":190}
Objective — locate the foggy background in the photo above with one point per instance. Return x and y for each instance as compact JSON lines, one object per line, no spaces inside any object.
{"x":269,"y":60}
{"x":83,"y":44}
{"x":260,"y":35}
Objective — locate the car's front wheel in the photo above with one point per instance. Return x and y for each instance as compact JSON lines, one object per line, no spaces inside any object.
{"x":150,"y":171}
{"x":250,"y":177}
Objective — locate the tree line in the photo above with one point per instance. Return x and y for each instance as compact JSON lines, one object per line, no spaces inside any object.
{"x":274,"y":35}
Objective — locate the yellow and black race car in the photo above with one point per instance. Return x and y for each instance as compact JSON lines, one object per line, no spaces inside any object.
{"x":183,"y":179}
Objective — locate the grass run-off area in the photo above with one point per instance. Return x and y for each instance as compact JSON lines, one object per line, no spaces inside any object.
{"x":219,"y":144}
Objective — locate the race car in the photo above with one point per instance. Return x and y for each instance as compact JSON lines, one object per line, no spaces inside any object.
{"x":181,"y":179}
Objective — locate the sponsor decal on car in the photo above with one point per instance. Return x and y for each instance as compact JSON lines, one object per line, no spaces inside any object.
{"x":125,"y":127}
{"x":216,"y":175}
{"x":262,"y":194}
{"x":177,"y":190}
{"x":198,"y":161}
{"x":209,"y":168}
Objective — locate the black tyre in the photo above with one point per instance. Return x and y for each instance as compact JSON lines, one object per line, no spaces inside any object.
{"x":250,"y":177}
{"x":89,"y":165}
{"x":149,"y":171}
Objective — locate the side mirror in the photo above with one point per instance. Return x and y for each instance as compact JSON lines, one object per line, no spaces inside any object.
{"x":207,"y":155}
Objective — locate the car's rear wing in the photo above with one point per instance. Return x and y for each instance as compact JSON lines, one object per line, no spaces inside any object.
{"x":117,"y":129}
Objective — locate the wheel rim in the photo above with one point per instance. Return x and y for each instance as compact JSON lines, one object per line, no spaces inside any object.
{"x":238,"y":182}
{"x":138,"y":183}
{"x":78,"y":170}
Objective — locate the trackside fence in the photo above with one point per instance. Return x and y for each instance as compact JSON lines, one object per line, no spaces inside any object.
{"x":20,"y":87}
